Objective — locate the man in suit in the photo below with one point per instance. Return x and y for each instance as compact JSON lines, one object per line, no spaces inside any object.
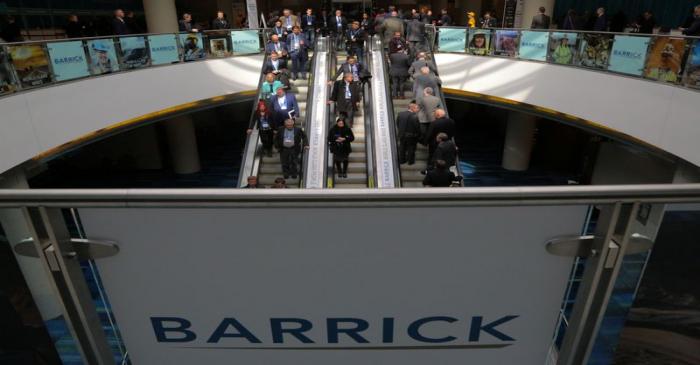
{"x":397,"y":43}
{"x":185,"y":24}
{"x":440,"y":176}
{"x":346,"y":95}
{"x":276,"y":46}
{"x":289,"y":20}
{"x":601,"y":21}
{"x":441,"y":124}
{"x":445,"y":19}
{"x":420,"y":62}
{"x":428,"y":104}
{"x":338,"y":25}
{"x":220,"y":22}
{"x":409,"y":132}
{"x":398,"y":70}
{"x":277,"y":67}
{"x":489,"y":21}
{"x":540,"y":21}
{"x":290,"y":141}
{"x":415,"y":32}
{"x":284,"y":106}
{"x":390,"y":26}
{"x":118,"y":25}
{"x":446,"y":150}
{"x":423,"y":80}
{"x":309,"y":26}
{"x":297,"y":46}
{"x":280,"y":31}
{"x":351,"y":66}
{"x":356,"y":40}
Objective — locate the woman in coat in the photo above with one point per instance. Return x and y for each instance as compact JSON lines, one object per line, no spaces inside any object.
{"x":266,"y":126}
{"x":339,"y":139}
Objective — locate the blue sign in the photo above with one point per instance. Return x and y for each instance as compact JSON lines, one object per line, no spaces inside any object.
{"x":245,"y":41}
{"x":533,"y":45}
{"x":629,"y":54}
{"x":163,"y":49}
{"x":134,"y":52}
{"x":68,"y":60}
{"x":452,"y":39}
{"x":103,"y":57}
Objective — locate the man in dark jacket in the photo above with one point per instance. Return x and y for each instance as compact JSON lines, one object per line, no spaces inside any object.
{"x":119,"y":26}
{"x":398,"y":70}
{"x":309,"y":26}
{"x":540,"y":21}
{"x":415,"y":32}
{"x":441,"y":124}
{"x":440,"y":176}
{"x":346,"y":95}
{"x":186,"y":25}
{"x":220,"y":22}
{"x":408,"y":130}
{"x":397,"y":43}
{"x":694,"y":29}
{"x":446,"y":150}
{"x":278,"y":67}
{"x":284,"y":106}
{"x":297,"y":44}
{"x":338,"y":25}
{"x":74,"y":28}
{"x":353,"y":67}
{"x":445,"y":19}
{"x":290,"y":141}
{"x":355,"y":40}
{"x":601,"y":21}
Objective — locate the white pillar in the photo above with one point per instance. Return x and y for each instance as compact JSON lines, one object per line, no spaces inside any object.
{"x":520,"y":138}
{"x":182,"y":143}
{"x":16,"y":229}
{"x":161,"y":16}
{"x":532,"y":7}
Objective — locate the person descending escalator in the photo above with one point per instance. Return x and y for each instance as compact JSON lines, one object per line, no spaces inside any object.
{"x":266,"y":126}
{"x":340,"y":138}
{"x":346,"y":95}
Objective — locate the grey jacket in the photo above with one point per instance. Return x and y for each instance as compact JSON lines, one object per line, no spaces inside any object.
{"x":540,"y":21}
{"x":389,"y":26}
{"x":415,"y":31}
{"x":399,"y":64}
{"x":428,"y":104}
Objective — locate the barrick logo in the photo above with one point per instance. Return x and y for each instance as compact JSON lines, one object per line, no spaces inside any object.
{"x":294,"y":331}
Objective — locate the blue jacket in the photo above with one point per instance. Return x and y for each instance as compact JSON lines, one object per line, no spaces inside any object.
{"x":291,"y":105}
{"x":270,"y":47}
{"x":290,"y":42}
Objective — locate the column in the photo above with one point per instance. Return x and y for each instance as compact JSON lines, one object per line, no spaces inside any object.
{"x":161,"y":16}
{"x":15,"y":227}
{"x":520,"y":138}
{"x":532,"y":7}
{"x":182,"y":143}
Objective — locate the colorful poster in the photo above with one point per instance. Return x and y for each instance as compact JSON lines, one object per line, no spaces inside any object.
{"x":68,"y":60}
{"x":192,"y":47}
{"x":7,"y":84}
{"x":219,"y":46}
{"x":245,"y":41}
{"x":479,"y":41}
{"x":595,"y":50}
{"x":31,"y":64}
{"x":629,"y":54}
{"x":563,"y":48}
{"x":506,"y":43}
{"x":103,"y":56}
{"x":664,"y":60}
{"x":163,"y":49}
{"x":134,"y":52}
{"x":533,"y":45}
{"x":452,"y":39}
{"x":692,"y":78}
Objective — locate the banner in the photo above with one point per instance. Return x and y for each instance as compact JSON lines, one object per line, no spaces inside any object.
{"x":163,"y":49}
{"x":192,"y":47}
{"x":509,"y":13}
{"x":452,"y":39}
{"x":629,"y":54}
{"x":533,"y":45}
{"x":245,"y":41}
{"x":134,"y":52}
{"x":452,"y":285}
{"x":664,"y":59}
{"x":219,"y":46}
{"x":103,"y":56}
{"x":563,"y":48}
{"x":595,"y":50}
{"x":252,"y":8}
{"x":7,"y":83}
{"x":31,"y":64}
{"x":506,"y":43}
{"x":692,"y":78}
{"x":479,"y":41}
{"x":68,"y":60}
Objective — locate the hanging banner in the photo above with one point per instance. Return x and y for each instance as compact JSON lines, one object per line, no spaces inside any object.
{"x":163,"y":49}
{"x":31,"y":64}
{"x":68,"y":60}
{"x":245,"y":41}
{"x":664,"y":60}
{"x":629,"y":54}
{"x":595,"y":50}
{"x":479,"y":41}
{"x":452,"y":39}
{"x":192,"y":47}
{"x":563,"y":48}
{"x":533,"y":45}
{"x":134,"y":52}
{"x":252,"y":8}
{"x":222,"y":286}
{"x":103,"y":56}
{"x":506,"y":43}
{"x":7,"y":83}
{"x":509,"y":13}
{"x":692,"y":78}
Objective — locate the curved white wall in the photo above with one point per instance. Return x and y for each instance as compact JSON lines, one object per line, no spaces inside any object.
{"x":35,"y":121}
{"x":662,"y":115}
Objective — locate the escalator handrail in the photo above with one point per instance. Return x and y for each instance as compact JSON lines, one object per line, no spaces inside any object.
{"x":368,"y":120}
{"x":320,"y":144}
{"x":330,"y":115}
{"x":309,"y":109}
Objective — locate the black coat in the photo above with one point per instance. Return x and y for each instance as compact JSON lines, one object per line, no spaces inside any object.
{"x":439,"y":178}
{"x":446,"y":151}
{"x":305,"y":22}
{"x":407,"y":125}
{"x":399,"y":64}
{"x":358,"y":41}
{"x":119,"y":27}
{"x":340,"y":148}
{"x":338,"y":95}
{"x":441,"y":125}
{"x":333,"y":24}
{"x":300,"y":140}
{"x":220,"y":24}
{"x":694,"y":29}
{"x":282,"y":65}
{"x":345,"y":68}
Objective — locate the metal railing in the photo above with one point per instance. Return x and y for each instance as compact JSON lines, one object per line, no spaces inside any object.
{"x":36,"y":64}
{"x":315,"y":169}
{"x":663,"y":58}
{"x":368,"y":113}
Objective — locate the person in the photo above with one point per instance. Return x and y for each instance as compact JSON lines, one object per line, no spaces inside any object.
{"x":408,"y":133}
{"x":276,"y":45}
{"x":601,"y":21}
{"x":220,"y":21}
{"x":618,"y":23}
{"x":440,"y":176}
{"x":471,"y":19}
{"x":353,"y":67}
{"x":252,"y":183}
{"x":309,"y":26}
{"x":415,"y":32}
{"x":289,"y":21}
{"x":398,"y":70}
{"x":289,"y":141}
{"x":346,"y":95}
{"x":420,"y":62}
{"x":667,"y":70}
{"x":324,"y":23}
{"x":74,"y":28}
{"x":266,"y":126}
{"x":562,"y":54}
{"x":570,"y":21}
{"x":445,"y":19}
{"x":477,"y":45}
{"x":277,"y":67}
{"x":119,"y":27}
{"x":397,"y":43}
{"x":280,"y":183}
{"x":297,"y":46}
{"x":340,"y":138}
{"x":193,"y":51}
{"x":338,"y":26}
{"x":391,"y":26}
{"x":284,"y":106}
{"x":646,"y":23}
{"x":446,"y":150}
{"x":423,"y":80}
{"x":541,"y":20}
{"x":441,"y":124}
{"x":367,"y":24}
{"x":185,"y":24}
{"x":689,"y":19}
{"x":694,"y":28}
{"x":488,"y":21}
{"x":428,"y":104}
{"x":269,"y":86}
{"x":355,"y":40}
{"x":279,"y":31}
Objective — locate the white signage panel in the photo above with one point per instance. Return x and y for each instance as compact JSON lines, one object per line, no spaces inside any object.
{"x":352,"y":285}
